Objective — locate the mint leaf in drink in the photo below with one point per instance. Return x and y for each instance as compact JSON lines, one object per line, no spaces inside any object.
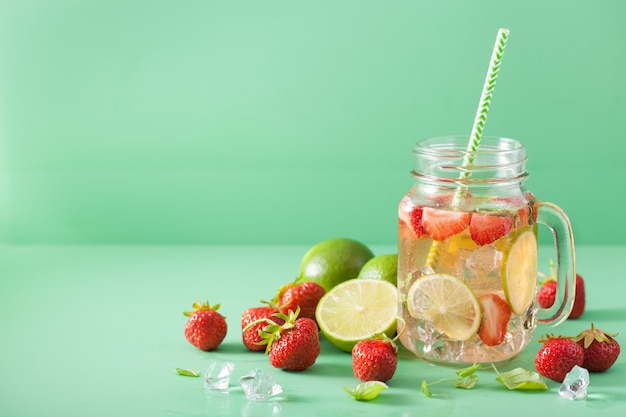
{"x":521,"y":379}
{"x":366,"y":391}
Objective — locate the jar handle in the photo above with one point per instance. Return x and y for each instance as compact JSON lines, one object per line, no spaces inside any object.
{"x":557,"y":221}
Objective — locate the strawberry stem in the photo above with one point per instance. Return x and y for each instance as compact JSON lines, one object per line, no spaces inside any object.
{"x":593,"y":334}
{"x":272,"y":332}
{"x":201,"y":306}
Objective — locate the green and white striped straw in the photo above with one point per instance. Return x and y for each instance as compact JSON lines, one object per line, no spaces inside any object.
{"x":477,"y":130}
{"x":483,"y":108}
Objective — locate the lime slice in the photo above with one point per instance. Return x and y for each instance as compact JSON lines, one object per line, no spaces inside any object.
{"x":357,"y":309}
{"x":445,"y":302}
{"x":519,"y":272}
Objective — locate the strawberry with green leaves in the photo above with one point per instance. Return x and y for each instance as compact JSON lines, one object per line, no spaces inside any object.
{"x":557,"y":356}
{"x":205,"y":328}
{"x":601,"y":349}
{"x":547,"y":293}
{"x":253,"y":320}
{"x":305,"y":295}
{"x":294,"y":345}
{"x":375,"y":359}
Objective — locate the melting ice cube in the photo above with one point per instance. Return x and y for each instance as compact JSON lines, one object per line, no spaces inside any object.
{"x":483,"y":261}
{"x":259,"y":386}
{"x":574,"y":386}
{"x":217,"y":375}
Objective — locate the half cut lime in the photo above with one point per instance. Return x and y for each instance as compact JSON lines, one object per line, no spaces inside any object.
{"x":356,"y":310}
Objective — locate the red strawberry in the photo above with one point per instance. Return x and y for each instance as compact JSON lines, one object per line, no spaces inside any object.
{"x":412,"y":216}
{"x":487,"y":228}
{"x":253,"y":320}
{"x":495,"y":319}
{"x":441,"y":224}
{"x":293,"y":346}
{"x":558,"y":356}
{"x":601,"y":350}
{"x":579,"y":299}
{"x":305,"y":295}
{"x":523,"y":216}
{"x":206,"y":328}
{"x":375,"y":359}
{"x":547,"y":294}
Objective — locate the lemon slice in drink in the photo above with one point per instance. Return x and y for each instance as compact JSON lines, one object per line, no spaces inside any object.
{"x":519,"y":272}
{"x":445,"y":302}
{"x":357,"y":309}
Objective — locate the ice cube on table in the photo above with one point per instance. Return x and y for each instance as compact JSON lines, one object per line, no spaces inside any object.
{"x":217,"y":375}
{"x":574,"y":386}
{"x":258,"y":386}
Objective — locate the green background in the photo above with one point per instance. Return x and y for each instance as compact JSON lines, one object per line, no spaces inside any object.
{"x":291,"y":121}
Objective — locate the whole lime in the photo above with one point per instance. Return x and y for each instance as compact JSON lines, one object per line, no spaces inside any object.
{"x":333,"y":261}
{"x":383,"y":267}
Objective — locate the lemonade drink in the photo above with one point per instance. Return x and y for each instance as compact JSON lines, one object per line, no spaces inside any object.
{"x":467,"y":254}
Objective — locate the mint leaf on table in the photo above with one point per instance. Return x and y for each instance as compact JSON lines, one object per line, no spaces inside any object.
{"x":467,"y":382}
{"x":465,"y":379}
{"x":187,"y":372}
{"x":424,"y":388}
{"x":425,"y":385}
{"x":366,"y":391}
{"x":470,"y":370}
{"x":521,"y":379}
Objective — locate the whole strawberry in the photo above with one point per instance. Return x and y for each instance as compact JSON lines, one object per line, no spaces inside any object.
{"x":206,"y":328}
{"x":557,"y":357}
{"x":253,"y":320}
{"x":601,"y":350}
{"x":579,"y":299}
{"x":547,"y":294}
{"x":305,"y":295}
{"x":375,"y":359}
{"x":294,"y":345}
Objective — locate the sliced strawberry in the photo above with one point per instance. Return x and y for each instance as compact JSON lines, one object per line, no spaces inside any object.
{"x":441,"y":224}
{"x":495,"y":319}
{"x":412,"y":216}
{"x":523,"y":216}
{"x":487,"y":228}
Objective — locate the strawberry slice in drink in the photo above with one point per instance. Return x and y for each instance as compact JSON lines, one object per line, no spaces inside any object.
{"x":441,"y":224}
{"x":487,"y":228}
{"x":412,"y":216}
{"x":495,"y":319}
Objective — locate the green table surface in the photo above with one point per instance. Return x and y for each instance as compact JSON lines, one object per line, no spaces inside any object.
{"x":98,"y":331}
